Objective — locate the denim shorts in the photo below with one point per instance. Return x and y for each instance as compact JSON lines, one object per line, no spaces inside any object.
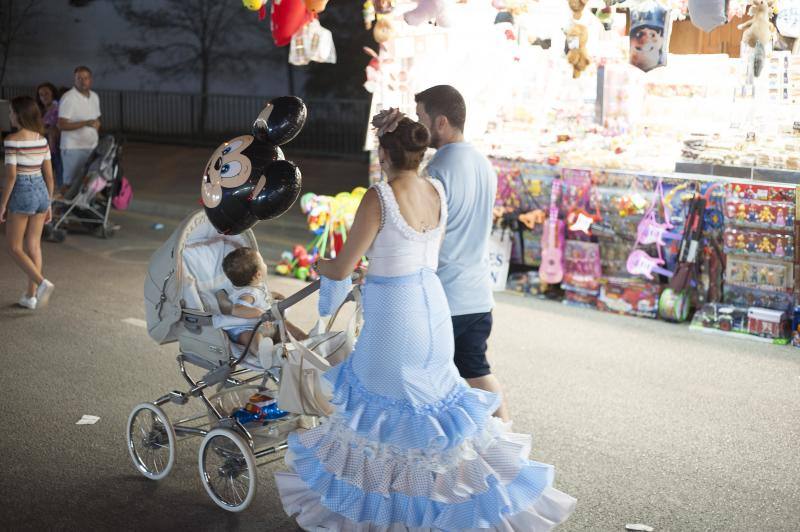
{"x":29,"y":195}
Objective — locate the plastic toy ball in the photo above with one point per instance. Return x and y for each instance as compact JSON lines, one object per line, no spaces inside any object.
{"x":301,"y":273}
{"x":282,"y":269}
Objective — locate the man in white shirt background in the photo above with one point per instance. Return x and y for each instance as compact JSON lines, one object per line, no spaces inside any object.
{"x":79,"y":122}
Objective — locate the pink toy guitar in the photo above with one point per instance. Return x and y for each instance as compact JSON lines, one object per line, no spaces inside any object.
{"x":640,"y":263}
{"x":651,"y":232}
{"x":551,"y":270}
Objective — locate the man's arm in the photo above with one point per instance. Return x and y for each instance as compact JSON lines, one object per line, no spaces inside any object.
{"x":67,"y":125}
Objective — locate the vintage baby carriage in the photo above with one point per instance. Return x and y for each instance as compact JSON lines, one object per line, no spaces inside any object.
{"x":88,"y":200}
{"x":180,"y":290}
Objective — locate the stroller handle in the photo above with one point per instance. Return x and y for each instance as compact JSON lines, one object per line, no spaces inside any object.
{"x":286,"y":303}
{"x":292,"y":300}
{"x":300,"y":295}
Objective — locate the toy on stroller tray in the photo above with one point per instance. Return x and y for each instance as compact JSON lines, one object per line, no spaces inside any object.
{"x":88,"y":199}
{"x":240,"y":423}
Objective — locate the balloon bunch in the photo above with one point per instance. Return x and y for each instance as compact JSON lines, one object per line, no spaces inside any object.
{"x":329,"y":218}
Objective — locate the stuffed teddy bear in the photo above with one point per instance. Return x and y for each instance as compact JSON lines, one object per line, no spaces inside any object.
{"x":577,"y":56}
{"x":384,"y":7}
{"x":758,"y":31}
{"x":576,"y":6}
{"x":383,"y":30}
{"x":427,"y":10}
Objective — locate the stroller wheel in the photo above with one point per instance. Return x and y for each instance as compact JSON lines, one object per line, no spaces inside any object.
{"x":151,"y":441}
{"x":228,"y":469}
{"x":51,"y":234}
{"x":104,"y":231}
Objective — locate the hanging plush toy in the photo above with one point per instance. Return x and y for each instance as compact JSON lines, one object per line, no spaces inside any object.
{"x":369,"y":14}
{"x":577,"y":56}
{"x":246,"y":178}
{"x":708,"y":14}
{"x":257,"y":5}
{"x":312,"y":43}
{"x":316,"y":6}
{"x":758,"y":32}
{"x":384,"y":7}
{"x":649,"y":36}
{"x":373,"y":70}
{"x":383,"y":30}
{"x":576,"y":6}
{"x":430,"y":10}
{"x":287,"y":17}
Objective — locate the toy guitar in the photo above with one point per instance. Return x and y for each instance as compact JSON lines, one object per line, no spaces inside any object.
{"x":640,"y":263}
{"x":691,"y":245}
{"x":651,"y":232}
{"x":551,"y":270}
{"x":579,"y":220}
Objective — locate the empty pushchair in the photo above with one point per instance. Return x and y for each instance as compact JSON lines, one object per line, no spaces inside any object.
{"x":88,"y":199}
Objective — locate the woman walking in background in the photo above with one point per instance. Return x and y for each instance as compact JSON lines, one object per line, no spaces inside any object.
{"x":25,"y":203}
{"x":47,"y":98}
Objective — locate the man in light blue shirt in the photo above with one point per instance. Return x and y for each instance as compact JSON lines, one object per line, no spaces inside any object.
{"x":470,"y":184}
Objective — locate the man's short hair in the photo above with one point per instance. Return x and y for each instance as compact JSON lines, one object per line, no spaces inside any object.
{"x":82,"y":68}
{"x":241,"y":266}
{"x":444,"y":100}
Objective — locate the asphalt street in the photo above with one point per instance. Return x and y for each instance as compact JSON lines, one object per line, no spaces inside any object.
{"x":645,"y":422}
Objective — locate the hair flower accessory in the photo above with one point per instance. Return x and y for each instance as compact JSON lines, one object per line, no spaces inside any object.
{"x":387,"y":120}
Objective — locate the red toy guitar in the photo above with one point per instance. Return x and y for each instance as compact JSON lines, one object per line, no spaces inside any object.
{"x":552,"y":269}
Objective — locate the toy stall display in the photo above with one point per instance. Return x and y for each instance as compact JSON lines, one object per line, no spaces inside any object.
{"x":759,"y":244}
{"x":589,"y":125}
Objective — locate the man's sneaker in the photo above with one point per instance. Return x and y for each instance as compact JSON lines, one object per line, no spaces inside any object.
{"x":27,"y":302}
{"x":43,"y":292}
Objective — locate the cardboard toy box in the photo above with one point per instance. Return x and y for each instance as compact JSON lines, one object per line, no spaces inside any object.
{"x":630,"y":296}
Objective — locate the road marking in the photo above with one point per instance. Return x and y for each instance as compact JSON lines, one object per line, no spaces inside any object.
{"x":136,"y":322}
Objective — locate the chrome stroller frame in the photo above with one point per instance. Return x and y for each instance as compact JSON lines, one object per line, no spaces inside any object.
{"x":80,"y":206}
{"x":229,"y":449}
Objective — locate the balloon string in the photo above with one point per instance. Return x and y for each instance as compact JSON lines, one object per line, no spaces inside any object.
{"x":324,"y":240}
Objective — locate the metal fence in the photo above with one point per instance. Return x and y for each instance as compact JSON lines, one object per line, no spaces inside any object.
{"x":334,"y":127}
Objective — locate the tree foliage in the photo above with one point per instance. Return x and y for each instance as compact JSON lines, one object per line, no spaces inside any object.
{"x":17,"y":20}
{"x":198,"y":39}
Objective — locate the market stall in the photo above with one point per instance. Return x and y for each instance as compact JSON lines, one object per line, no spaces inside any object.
{"x":630,"y":179}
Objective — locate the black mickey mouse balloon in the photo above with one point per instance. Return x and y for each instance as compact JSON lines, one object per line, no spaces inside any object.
{"x":281,"y":120}
{"x":247,"y":178}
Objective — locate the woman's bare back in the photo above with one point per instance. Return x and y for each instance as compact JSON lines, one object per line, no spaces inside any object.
{"x":419,"y":202}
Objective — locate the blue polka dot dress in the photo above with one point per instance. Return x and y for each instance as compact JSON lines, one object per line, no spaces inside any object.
{"x":411,"y":446}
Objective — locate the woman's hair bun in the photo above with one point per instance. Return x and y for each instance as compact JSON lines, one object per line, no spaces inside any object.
{"x":415,"y":136}
{"x":406,"y":145}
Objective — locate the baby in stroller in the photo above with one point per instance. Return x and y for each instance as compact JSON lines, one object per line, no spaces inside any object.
{"x":246,"y":270}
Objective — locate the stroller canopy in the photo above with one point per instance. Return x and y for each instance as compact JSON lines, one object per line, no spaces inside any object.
{"x":185,"y":272}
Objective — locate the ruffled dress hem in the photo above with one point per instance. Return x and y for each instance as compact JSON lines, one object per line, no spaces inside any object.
{"x":552,"y":508}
